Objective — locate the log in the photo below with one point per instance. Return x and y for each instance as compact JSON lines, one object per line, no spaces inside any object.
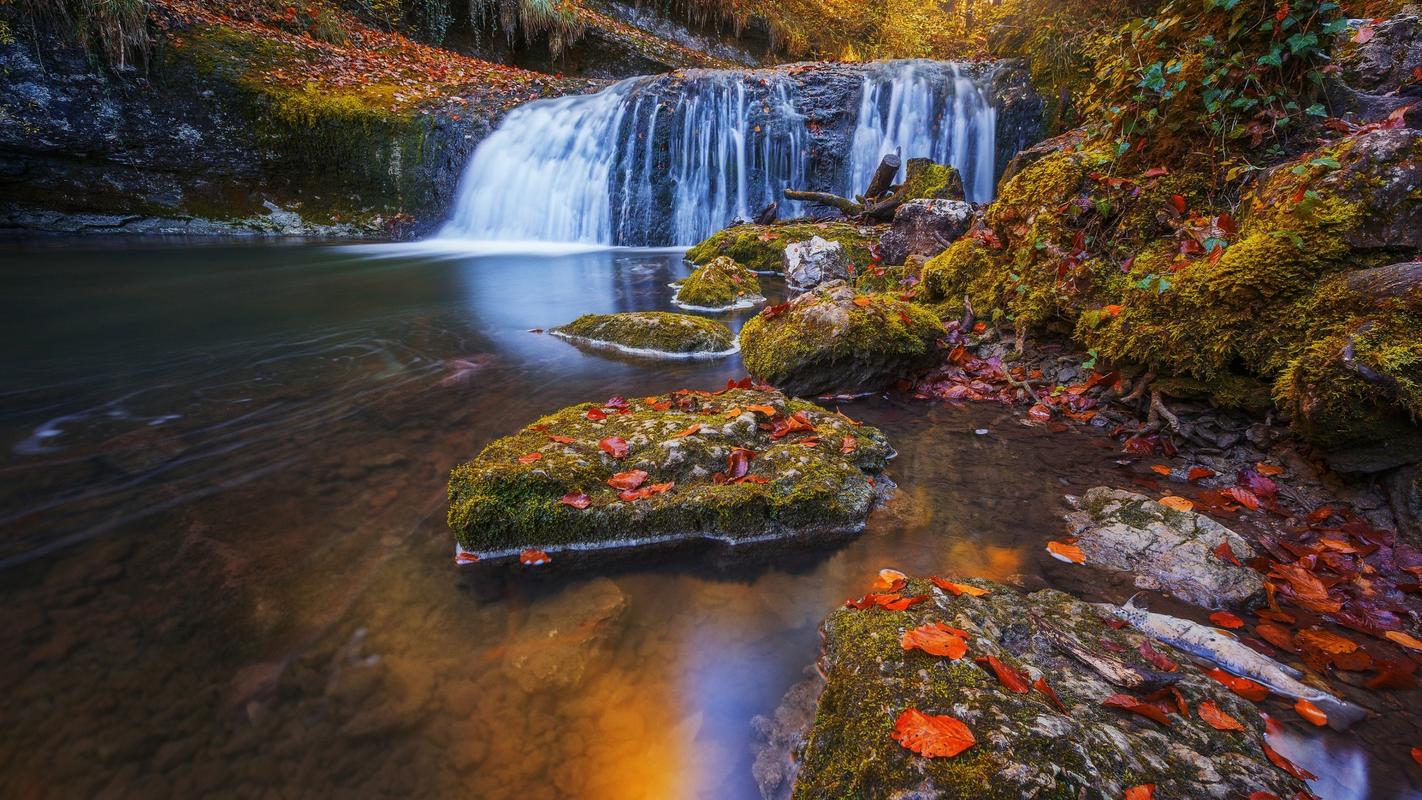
{"x":768,"y":214}
{"x":848,"y":207}
{"x":1380,"y":283}
{"x":883,"y":176}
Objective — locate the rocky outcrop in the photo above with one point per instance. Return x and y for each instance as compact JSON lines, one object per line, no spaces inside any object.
{"x":810,"y":263}
{"x":1378,"y":76}
{"x":736,"y":465}
{"x":1166,"y":550}
{"x":762,"y":247}
{"x":1066,"y":736}
{"x":719,"y":285}
{"x":832,"y":340}
{"x":924,"y":228}
{"x":651,"y":333}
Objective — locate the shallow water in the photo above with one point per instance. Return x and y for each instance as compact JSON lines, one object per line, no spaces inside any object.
{"x":226,"y":570}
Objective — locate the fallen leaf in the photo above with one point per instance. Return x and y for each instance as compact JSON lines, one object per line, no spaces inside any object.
{"x":464,"y":557}
{"x":562,"y":439}
{"x":1198,"y":473}
{"x":1268,"y":469}
{"x":1311,"y":712}
{"x":932,"y":735}
{"x":1243,"y":687}
{"x":935,"y":639}
{"x":1048,"y":692}
{"x":1145,"y":791}
{"x":576,"y":500}
{"x":1277,"y":635}
{"x":1158,"y":659}
{"x":643,"y":493}
{"x":848,"y":445}
{"x":1160,"y":469}
{"x":1286,"y":765}
{"x":768,"y":411}
{"x":1008,"y":676}
{"x":1039,"y":412}
{"x":956,"y":589}
{"x":890,"y":580}
{"x":1177,"y":503}
{"x":1417,"y":751}
{"x":738,"y":462}
{"x":1137,"y":706}
{"x":1227,"y":619}
{"x":691,"y":429}
{"x":530,"y":458}
{"x":596,"y":414}
{"x":862,"y":302}
{"x":1179,"y":203}
{"x":903,"y":603}
{"x":1242,"y":496}
{"x":1394,"y":675}
{"x":614,"y":446}
{"x":1405,"y":640}
{"x":533,"y":558}
{"x":627,"y":480}
{"x":1217,"y":719}
{"x":1069,"y":553}
{"x":1226,"y":553}
{"x":1327,"y":641}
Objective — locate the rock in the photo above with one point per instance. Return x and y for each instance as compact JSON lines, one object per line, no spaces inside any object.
{"x":924,"y":228}
{"x":926,"y":179}
{"x":1377,"y":77}
{"x":505,"y":500}
{"x":762,"y":247}
{"x":560,"y":637}
{"x":654,"y":333}
{"x":1166,"y":550}
{"x":720,"y":285}
{"x":825,"y":341}
{"x":778,"y":737}
{"x":810,"y":263}
{"x":1025,"y":747}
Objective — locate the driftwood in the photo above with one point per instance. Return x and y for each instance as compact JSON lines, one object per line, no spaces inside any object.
{"x":1381,"y":283}
{"x":844,"y":204}
{"x":768,"y":214}
{"x":883,"y":176}
{"x":1113,"y":669}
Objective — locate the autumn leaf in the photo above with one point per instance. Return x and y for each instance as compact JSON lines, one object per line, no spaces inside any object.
{"x":1417,"y":751}
{"x":1268,"y":469}
{"x":935,"y":639}
{"x":1199,"y":473}
{"x":890,"y":580}
{"x":768,"y":411}
{"x":862,"y":302}
{"x":888,"y":601}
{"x":1226,"y":553}
{"x":596,"y":414}
{"x":1160,"y":469}
{"x":614,"y":446}
{"x":1137,"y":706}
{"x":903,"y":603}
{"x":643,"y":493}
{"x":1243,"y":687}
{"x":1277,"y":635}
{"x":562,"y":439}
{"x":932,"y":735}
{"x":1177,"y":503}
{"x":1155,"y":172}
{"x":1010,"y":678}
{"x":576,"y":500}
{"x":533,"y":558}
{"x":1145,"y":791}
{"x":1040,"y":412}
{"x":1217,"y":719}
{"x":956,"y":589}
{"x":848,"y":445}
{"x":627,"y":480}
{"x":1048,"y":692}
{"x":1242,"y":496}
{"x":464,"y":557}
{"x":1226,"y":619}
{"x":1405,"y":640}
{"x":1286,"y":765}
{"x":738,"y":463}
{"x":1394,"y":675}
{"x":1179,"y":203}
{"x":1069,"y":553}
{"x":1311,"y":712}
{"x":1158,"y":659}
{"x":1327,"y":641}
{"x":530,"y":458}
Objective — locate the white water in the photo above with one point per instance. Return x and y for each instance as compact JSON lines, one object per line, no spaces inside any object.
{"x":652,"y":161}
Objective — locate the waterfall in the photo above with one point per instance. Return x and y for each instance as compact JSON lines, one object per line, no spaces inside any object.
{"x":671,"y":159}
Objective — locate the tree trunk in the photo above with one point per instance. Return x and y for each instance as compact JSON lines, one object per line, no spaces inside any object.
{"x":883,"y":176}
{"x":844,"y":204}
{"x":1380,"y":283}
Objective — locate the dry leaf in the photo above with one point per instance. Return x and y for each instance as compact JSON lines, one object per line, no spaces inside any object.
{"x":890,"y":580}
{"x":1066,"y":552}
{"x":576,"y":500}
{"x":1311,"y":712}
{"x":1177,"y":503}
{"x":1226,"y":619}
{"x":1160,"y":469}
{"x":533,"y":558}
{"x":1217,"y":719}
{"x":1243,"y":687}
{"x":935,"y":639}
{"x":956,"y":589}
{"x":1405,"y":640}
{"x":932,"y":735}
{"x":1145,"y":791}
{"x":1138,"y":706}
{"x":1008,"y":676}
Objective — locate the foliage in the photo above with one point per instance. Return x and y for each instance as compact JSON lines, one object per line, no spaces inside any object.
{"x":114,"y":29}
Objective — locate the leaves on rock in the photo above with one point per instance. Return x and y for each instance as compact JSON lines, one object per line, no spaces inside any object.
{"x":935,"y":639}
{"x":1176,"y":502}
{"x":625,"y":481}
{"x":1069,"y":553}
{"x":1286,"y":765}
{"x":956,"y":589}
{"x":932,"y":735}
{"x":1243,"y":687}
{"x":533,"y":558}
{"x":1311,"y":712}
{"x":1145,"y":791}
{"x":576,"y":500}
{"x":1217,"y":719}
{"x":614,"y":446}
{"x":1227,"y":619}
{"x":1137,"y":706}
{"x":1010,"y":678}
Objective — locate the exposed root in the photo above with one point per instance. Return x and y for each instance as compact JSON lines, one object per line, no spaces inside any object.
{"x":1161,"y":417}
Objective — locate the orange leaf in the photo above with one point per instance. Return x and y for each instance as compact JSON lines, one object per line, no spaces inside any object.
{"x":614,"y":446}
{"x":1311,"y":712}
{"x":848,"y":445}
{"x":1404,"y":640}
{"x":1268,"y":469}
{"x":1277,"y":635}
{"x":1160,"y":469}
{"x":1138,"y":706}
{"x":1008,"y":676}
{"x":1226,"y":619}
{"x":576,"y":500}
{"x":903,"y":603}
{"x":627,"y":481}
{"x":464,"y":557}
{"x":562,"y":439}
{"x":1243,"y":687}
{"x":769,"y":411}
{"x":932,"y":735}
{"x":1226,"y":553}
{"x":1179,"y":203}
{"x":1327,"y":641}
{"x":693,"y":428}
{"x":1196,"y":473}
{"x":533,"y":558}
{"x":1242,"y":496}
{"x":1145,"y":791}
{"x":1112,"y":310}
{"x":1048,"y":692}
{"x":935,"y":639}
{"x":1177,"y":503}
{"x":956,"y":589}
{"x":1417,"y":754}
{"x":890,"y":580}
{"x":1286,"y":765}
{"x":862,"y":302}
{"x":1066,"y":552}
{"x":1217,"y":719}
{"x":530,"y":458}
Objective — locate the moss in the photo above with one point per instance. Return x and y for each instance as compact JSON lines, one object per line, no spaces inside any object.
{"x":762,"y":247}
{"x":658,"y":331}
{"x":889,"y":280}
{"x":925,"y":179}
{"x":719,"y":284}
{"x":501,"y":500}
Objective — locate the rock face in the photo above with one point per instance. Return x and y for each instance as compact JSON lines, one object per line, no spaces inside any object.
{"x":1166,"y":550}
{"x":1376,"y":76}
{"x":691,"y":464}
{"x":651,"y":333}
{"x":1025,"y":745}
{"x":832,"y":340}
{"x":719,"y":285}
{"x":762,"y":247}
{"x":924,"y":228}
{"x":810,"y":263}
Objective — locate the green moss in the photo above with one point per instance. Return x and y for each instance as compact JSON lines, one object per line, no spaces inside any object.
{"x":501,"y":500}
{"x":658,"y":331}
{"x":762,"y":247}
{"x":719,"y":284}
{"x":925,"y":179}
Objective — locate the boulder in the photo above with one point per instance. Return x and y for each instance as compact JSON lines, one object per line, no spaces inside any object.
{"x":761,"y":248}
{"x":654,"y":333}
{"x":924,"y":228}
{"x":832,"y":340}
{"x":720,"y":285}
{"x":1376,"y":77}
{"x":806,"y":472}
{"x":1166,"y":550}
{"x":810,"y":263}
{"x":1025,"y":744}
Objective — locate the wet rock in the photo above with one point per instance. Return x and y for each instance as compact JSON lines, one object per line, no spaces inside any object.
{"x":811,"y":263}
{"x":761,"y":248}
{"x":561,"y":636}
{"x":1025,"y":746}
{"x":832,"y":340}
{"x":1166,"y":550}
{"x":778,"y":737}
{"x":719,"y":285}
{"x":798,"y":482}
{"x":1376,"y":76}
{"x":924,"y":228}
{"x":650,"y":333}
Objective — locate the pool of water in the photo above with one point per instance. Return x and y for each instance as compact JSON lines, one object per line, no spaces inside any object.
{"x":224,"y":567}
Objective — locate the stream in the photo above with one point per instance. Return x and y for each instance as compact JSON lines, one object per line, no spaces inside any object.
{"x":224,"y":567}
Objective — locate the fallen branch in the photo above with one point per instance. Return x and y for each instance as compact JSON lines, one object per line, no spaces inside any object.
{"x":846,"y":206}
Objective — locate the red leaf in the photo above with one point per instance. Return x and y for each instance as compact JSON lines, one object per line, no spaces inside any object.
{"x":1159,"y":659}
{"x":1226,"y":553}
{"x":465,"y":557}
{"x":738,"y":463}
{"x":935,"y":639}
{"x":1040,"y":412}
{"x":533,"y":558}
{"x":627,"y":481}
{"x":1243,"y":496}
{"x":1155,"y":172}
{"x":1179,"y":203}
{"x":1364,"y":35}
{"x":1008,"y":676}
{"x":771,"y":312}
{"x":1197,"y":473}
{"x":957,"y":589}
{"x":1048,"y":692}
{"x":1243,"y":687}
{"x":932,"y":735}
{"x":1394,"y":675}
{"x":631,"y":496}
{"x":1217,"y":719}
{"x":614,"y":446}
{"x":596,"y":415}
{"x":576,"y":500}
{"x":1417,"y":751}
{"x":1226,"y":619}
{"x":1145,"y":791}
{"x":691,"y":429}
{"x":562,"y":439}
{"x":1135,"y":705}
{"x":1277,"y":635}
{"x":1286,"y":765}
{"x":848,"y":445}
{"x":1311,"y":712}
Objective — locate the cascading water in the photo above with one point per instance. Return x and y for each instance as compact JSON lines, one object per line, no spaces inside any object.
{"x":669,"y":160}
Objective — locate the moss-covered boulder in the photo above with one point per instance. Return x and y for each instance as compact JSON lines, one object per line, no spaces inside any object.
{"x":834,"y":340}
{"x":925,"y":179}
{"x":1026,"y":744}
{"x":652,"y":333}
{"x":762,"y":247}
{"x":719,"y":285}
{"x":733,"y":465}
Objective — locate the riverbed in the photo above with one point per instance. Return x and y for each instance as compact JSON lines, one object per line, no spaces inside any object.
{"x":226,"y":570}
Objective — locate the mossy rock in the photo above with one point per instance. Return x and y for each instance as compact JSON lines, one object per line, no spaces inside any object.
{"x":762,"y":247}
{"x":802,"y":484}
{"x":832,"y":340}
{"x":1025,"y":746}
{"x":719,"y":285}
{"x":925,"y":179}
{"x":650,"y":333}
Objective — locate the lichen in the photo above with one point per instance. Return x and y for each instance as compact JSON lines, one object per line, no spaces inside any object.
{"x":721,"y":283}
{"x":653,"y":331}
{"x":762,"y":247}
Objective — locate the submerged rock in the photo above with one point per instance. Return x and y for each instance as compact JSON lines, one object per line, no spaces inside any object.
{"x":832,"y":340}
{"x":1025,"y":745}
{"x":651,"y":333}
{"x":924,"y":228}
{"x":810,"y":263}
{"x":561,"y":635}
{"x":1166,"y":550}
{"x":719,"y":285}
{"x":799,"y":471}
{"x":762,"y":247}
